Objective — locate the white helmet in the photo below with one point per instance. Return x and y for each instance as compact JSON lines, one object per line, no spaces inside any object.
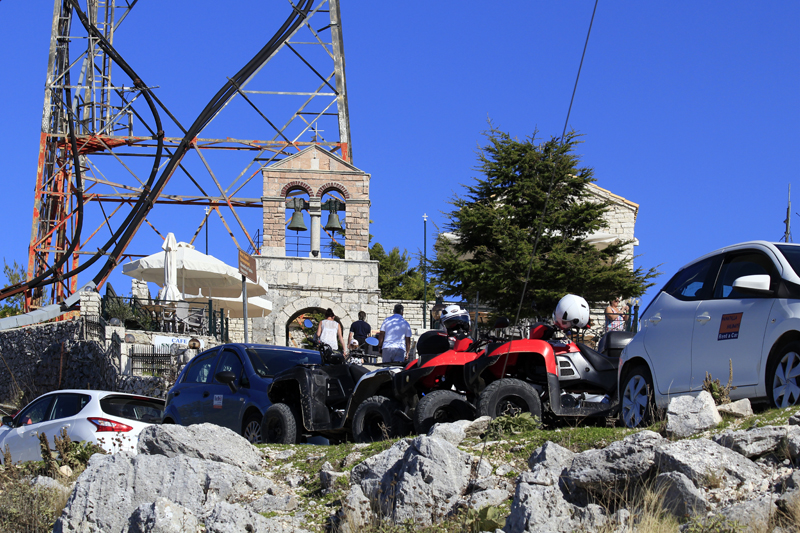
{"x":571,"y":312}
{"x":454,"y":318}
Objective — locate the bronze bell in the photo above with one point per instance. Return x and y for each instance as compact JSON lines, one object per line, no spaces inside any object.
{"x":334,"y":224}
{"x":297,"y":223}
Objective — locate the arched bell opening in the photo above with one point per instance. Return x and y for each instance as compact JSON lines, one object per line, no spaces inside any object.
{"x":334,"y":216}
{"x":298,"y":221}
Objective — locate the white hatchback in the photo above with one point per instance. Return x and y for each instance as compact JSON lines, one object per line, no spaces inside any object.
{"x":737,"y":307}
{"x":112,"y":420}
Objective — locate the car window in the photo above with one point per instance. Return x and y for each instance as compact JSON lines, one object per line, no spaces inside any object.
{"x":69,"y":405}
{"x":200,"y":368}
{"x":138,"y":408}
{"x":229,"y":362}
{"x":738,"y":265}
{"x":37,"y":412}
{"x":269,"y":361}
{"x":792,"y":254}
{"x":691,"y":283}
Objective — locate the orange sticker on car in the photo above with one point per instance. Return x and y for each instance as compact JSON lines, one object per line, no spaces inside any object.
{"x":729,"y":326}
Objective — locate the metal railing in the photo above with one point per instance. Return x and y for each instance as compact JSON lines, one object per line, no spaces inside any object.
{"x":150,"y":360}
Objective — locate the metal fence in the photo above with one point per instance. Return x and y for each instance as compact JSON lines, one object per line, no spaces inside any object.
{"x":150,"y":360}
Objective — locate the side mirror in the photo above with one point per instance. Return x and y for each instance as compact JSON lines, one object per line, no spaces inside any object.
{"x":372,"y":341}
{"x":8,"y":421}
{"x":502,"y":323}
{"x":228,"y":378}
{"x":756,"y":283}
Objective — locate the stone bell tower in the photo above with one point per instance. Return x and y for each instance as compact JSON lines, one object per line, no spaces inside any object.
{"x":299,"y":285}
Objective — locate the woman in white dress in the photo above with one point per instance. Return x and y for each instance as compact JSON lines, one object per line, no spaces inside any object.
{"x":329,"y":331}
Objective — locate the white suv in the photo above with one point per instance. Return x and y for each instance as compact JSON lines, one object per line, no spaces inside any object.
{"x":736,"y":306}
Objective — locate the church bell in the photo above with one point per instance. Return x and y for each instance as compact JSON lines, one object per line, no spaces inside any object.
{"x":333,"y":222}
{"x":297,"y":223}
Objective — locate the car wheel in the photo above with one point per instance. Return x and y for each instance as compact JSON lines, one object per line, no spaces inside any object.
{"x":441,"y":406}
{"x":251,"y":429}
{"x":375,"y":420}
{"x":783,"y":376}
{"x":637,"y":397}
{"x":510,"y":397}
{"x":279,"y":425}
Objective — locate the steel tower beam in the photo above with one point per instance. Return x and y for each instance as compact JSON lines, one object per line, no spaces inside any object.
{"x":116,"y":139}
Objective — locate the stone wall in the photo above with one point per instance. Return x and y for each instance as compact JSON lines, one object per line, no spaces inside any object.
{"x":41,"y":358}
{"x":621,"y":217}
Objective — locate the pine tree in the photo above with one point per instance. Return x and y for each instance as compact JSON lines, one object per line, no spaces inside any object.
{"x":490,"y":234}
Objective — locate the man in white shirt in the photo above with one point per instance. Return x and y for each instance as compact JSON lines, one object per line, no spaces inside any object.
{"x":394,"y":339}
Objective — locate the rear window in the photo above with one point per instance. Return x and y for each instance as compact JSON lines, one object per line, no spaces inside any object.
{"x":270,"y":361}
{"x":133,"y":408}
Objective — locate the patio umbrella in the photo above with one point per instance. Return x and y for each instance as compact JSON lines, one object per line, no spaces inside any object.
{"x":196,"y":272}
{"x":256,"y":307}
{"x":169,"y":270}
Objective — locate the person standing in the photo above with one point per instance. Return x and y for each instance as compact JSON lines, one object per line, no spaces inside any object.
{"x":329,"y":331}
{"x":394,"y":338}
{"x":615,"y":316}
{"x":359,"y":330}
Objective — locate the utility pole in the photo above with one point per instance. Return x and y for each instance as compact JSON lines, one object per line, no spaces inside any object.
{"x":425,"y":271}
{"x":787,"y":236}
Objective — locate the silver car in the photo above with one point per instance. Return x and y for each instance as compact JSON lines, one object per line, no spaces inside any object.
{"x":737,"y":307}
{"x":112,"y":420}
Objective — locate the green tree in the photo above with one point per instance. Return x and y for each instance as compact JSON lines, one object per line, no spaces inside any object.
{"x":490,"y":234}
{"x":395,"y":279}
{"x":14,"y":274}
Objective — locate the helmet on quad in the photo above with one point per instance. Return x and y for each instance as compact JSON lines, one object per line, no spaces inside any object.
{"x":571,"y":312}
{"x":455,"y":319}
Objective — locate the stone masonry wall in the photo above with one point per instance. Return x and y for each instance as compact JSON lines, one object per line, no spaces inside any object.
{"x":621,"y":217}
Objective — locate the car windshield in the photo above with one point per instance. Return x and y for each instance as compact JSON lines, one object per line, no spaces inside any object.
{"x":792,"y":254}
{"x":269,"y":361}
{"x":133,"y":408}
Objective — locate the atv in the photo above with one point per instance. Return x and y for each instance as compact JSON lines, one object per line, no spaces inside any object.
{"x":336,"y":400}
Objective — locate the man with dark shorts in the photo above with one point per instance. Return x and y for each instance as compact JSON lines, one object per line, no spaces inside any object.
{"x":359,"y":330}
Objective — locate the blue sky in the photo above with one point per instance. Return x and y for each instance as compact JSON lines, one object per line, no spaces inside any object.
{"x":689,"y":109}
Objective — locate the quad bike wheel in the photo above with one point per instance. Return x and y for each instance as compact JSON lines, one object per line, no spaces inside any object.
{"x":783,"y":376}
{"x":638,"y":406}
{"x":251,"y":429}
{"x":441,"y":406}
{"x":375,"y":420}
{"x":511,"y":397}
{"x":279,"y":425}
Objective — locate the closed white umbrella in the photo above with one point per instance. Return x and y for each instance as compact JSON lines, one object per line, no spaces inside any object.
{"x":169,"y":270}
{"x":196,"y":272}
{"x":256,"y":307}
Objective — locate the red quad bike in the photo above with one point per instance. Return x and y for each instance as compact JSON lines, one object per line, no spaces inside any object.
{"x":548,"y":373}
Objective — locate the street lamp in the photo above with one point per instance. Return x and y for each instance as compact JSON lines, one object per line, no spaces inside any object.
{"x":425,"y":271}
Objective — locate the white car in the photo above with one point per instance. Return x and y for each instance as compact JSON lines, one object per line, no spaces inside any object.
{"x":112,"y":420}
{"x":736,"y":306}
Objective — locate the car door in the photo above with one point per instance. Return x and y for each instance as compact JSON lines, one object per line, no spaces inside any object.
{"x":188,"y":397}
{"x":668,"y":324}
{"x":729,"y":327}
{"x":224,"y":407}
{"x":23,"y":439}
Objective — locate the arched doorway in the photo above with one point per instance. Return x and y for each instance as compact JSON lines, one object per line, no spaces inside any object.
{"x":314,"y":308}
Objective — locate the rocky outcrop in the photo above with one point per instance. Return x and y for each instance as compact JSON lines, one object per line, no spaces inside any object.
{"x":183,"y":480}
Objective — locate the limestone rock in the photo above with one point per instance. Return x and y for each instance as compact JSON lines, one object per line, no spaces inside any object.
{"x":226,"y":517}
{"x":707,"y":463}
{"x":753,"y":514}
{"x":114,"y":486}
{"x":551,"y":456}
{"x":688,"y":415}
{"x":616,"y":466}
{"x":451,"y":432}
{"x":756,"y":442}
{"x":202,"y":441}
{"x":539,"y":508}
{"x":679,"y":495}
{"x":356,"y":511}
{"x":738,"y":409}
{"x":417,"y":480}
{"x":162,"y":516}
{"x":477,"y":427}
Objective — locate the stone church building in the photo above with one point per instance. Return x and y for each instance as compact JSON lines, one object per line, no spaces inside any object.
{"x":299,"y":285}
